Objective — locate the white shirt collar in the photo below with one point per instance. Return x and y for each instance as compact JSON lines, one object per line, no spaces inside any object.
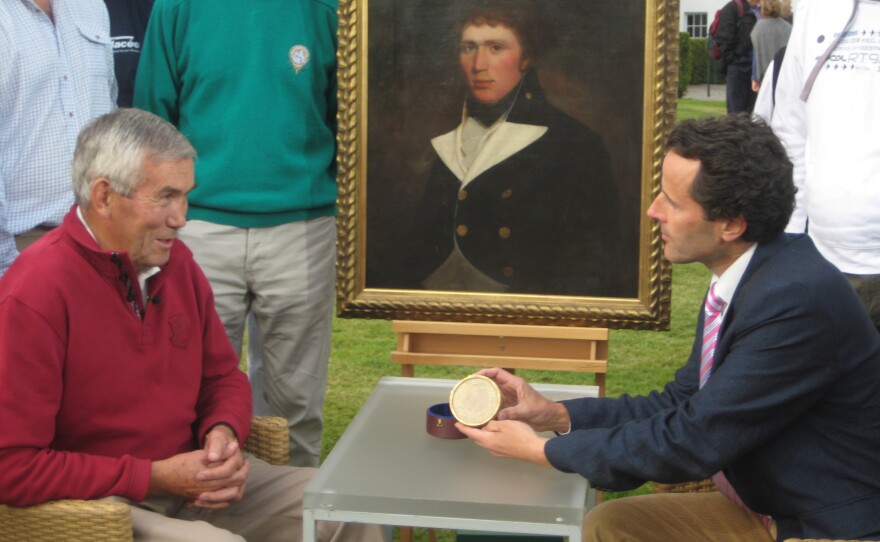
{"x":142,"y":276}
{"x":726,"y":284}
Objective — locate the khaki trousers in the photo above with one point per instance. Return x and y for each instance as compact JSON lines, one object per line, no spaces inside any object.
{"x":285,"y":276}
{"x":674,"y":517}
{"x":868,"y":289}
{"x":271,"y":511}
{"x":28,"y":238}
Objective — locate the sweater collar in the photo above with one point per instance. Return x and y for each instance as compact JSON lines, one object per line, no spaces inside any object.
{"x":116,"y":266}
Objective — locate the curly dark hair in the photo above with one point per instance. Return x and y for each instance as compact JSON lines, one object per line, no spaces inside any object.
{"x":744,"y":171}
{"x":512,"y":15}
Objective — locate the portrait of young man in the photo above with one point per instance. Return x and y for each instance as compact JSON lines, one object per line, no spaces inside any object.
{"x":490,"y":166}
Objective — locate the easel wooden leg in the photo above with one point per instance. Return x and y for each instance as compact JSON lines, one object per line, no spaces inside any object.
{"x":600,"y":381}
{"x":406,"y":534}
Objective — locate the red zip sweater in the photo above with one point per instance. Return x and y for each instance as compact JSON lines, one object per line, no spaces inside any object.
{"x":90,"y":394}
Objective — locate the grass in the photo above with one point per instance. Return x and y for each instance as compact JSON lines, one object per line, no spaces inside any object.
{"x":639,"y":361}
{"x":694,"y":109}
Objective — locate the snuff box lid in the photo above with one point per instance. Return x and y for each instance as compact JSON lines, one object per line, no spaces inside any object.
{"x":475,"y":400}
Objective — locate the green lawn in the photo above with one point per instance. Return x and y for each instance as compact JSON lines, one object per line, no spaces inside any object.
{"x":693,"y":109}
{"x":639,"y":361}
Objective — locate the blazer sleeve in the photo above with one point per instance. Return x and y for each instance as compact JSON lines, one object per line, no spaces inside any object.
{"x":773,"y":366}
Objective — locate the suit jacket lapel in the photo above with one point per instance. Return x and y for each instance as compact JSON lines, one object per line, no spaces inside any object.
{"x":763,"y":252}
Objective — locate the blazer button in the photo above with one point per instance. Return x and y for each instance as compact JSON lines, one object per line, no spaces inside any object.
{"x":507,"y":271}
{"x":462,"y":195}
{"x":507,"y":193}
{"x":504,"y":232}
{"x":461,"y":230}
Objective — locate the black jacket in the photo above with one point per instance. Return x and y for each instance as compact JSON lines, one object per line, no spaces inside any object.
{"x":734,"y":34}
{"x":791,"y":411}
{"x":128,"y":24}
{"x":541,"y":220}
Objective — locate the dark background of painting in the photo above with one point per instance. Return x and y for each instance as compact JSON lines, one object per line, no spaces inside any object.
{"x":591,"y":65}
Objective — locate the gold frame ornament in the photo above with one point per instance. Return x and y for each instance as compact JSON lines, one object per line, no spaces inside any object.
{"x":380,"y":113}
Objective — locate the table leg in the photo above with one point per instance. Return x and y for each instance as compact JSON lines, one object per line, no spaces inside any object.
{"x":308,"y":527}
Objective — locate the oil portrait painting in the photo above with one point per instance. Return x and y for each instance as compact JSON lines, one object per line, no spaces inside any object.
{"x":496,"y":159}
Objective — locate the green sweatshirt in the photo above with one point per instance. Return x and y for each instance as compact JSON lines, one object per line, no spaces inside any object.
{"x":252,"y":84}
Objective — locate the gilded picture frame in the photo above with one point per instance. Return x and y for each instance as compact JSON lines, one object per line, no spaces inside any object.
{"x":611,"y":66}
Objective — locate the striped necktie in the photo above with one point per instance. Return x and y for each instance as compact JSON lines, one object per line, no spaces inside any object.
{"x":714,"y":309}
{"x":711,"y":325}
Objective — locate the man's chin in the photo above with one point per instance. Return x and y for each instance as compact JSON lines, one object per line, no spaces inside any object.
{"x":484,"y":99}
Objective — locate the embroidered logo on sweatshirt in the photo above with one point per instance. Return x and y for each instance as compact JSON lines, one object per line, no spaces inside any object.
{"x":180,"y":332}
{"x":299,"y":56}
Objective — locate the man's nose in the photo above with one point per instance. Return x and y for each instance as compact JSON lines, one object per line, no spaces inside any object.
{"x":652,"y":210}
{"x":177,"y":217}
{"x":479,"y":60}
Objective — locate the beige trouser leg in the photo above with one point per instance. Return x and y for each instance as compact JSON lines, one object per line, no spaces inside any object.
{"x":271,"y":511}
{"x":868,"y":289}
{"x":285,"y":276}
{"x":28,"y":238}
{"x":674,"y":517}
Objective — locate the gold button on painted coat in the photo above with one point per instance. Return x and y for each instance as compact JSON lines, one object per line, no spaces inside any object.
{"x":507,"y":193}
{"x":462,"y":195}
{"x":461,"y":230}
{"x":504,"y":232}
{"x":507,"y":271}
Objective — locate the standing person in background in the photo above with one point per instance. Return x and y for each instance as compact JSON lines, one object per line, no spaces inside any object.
{"x":128,"y":24}
{"x":253,"y":86}
{"x":56,"y":74}
{"x":826,"y":115}
{"x":769,"y":36}
{"x":734,"y":30}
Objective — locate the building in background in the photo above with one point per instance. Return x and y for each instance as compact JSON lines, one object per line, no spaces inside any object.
{"x":695,"y":16}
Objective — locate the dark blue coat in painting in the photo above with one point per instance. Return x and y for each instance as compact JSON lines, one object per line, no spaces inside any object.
{"x":538,"y":212}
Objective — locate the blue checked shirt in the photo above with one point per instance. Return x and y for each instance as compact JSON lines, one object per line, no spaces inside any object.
{"x":54,"y":78}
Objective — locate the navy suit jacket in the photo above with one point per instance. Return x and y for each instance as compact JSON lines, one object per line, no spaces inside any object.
{"x":791,"y":412}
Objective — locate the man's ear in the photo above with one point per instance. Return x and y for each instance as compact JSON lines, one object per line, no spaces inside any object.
{"x":102,"y":196}
{"x":523,"y":64}
{"x":733,"y":229}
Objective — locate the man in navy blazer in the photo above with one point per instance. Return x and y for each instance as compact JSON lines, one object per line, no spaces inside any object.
{"x":790,"y":413}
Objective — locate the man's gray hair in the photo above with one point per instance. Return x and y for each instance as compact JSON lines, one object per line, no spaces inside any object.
{"x":118,"y":144}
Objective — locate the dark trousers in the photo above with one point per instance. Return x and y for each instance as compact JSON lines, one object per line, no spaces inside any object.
{"x":740,"y":96}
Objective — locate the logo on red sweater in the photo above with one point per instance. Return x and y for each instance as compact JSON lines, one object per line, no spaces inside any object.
{"x":180,"y":332}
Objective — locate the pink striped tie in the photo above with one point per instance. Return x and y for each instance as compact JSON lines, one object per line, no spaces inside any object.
{"x":711,"y":325}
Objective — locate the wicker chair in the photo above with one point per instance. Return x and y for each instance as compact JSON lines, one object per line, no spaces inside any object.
{"x":700,"y":486}
{"x":703,"y":486}
{"x":99,"y":521}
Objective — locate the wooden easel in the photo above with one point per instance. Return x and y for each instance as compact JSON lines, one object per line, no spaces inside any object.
{"x":499,"y":345}
{"x":551,"y":348}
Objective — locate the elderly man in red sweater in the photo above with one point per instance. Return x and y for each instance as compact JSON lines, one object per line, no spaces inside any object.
{"x":118,"y":378}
